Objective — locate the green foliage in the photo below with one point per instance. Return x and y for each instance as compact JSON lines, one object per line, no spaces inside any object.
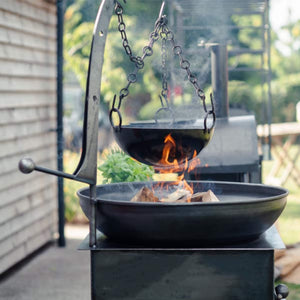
{"x":119,"y":167}
{"x":250,"y":38}
{"x":73,"y":211}
{"x":117,"y":65}
{"x":77,"y":43}
{"x":294,"y":290}
{"x":288,"y":223}
{"x":293,"y":30}
{"x":143,"y":99}
{"x":285,"y":95}
{"x":241,"y":95}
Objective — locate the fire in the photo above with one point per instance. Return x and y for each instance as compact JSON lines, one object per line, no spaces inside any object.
{"x":175,"y":166}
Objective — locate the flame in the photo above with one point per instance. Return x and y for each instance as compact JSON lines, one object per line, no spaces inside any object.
{"x":173,"y":166}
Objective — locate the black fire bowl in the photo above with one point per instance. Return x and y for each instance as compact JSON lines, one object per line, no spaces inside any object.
{"x":244,"y":212}
{"x":145,"y":141}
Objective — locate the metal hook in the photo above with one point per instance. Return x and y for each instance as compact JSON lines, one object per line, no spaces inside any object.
{"x":161,"y":10}
{"x":162,"y":102}
{"x":160,"y":13}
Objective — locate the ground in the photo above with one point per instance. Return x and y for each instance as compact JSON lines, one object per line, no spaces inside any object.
{"x":54,"y":273}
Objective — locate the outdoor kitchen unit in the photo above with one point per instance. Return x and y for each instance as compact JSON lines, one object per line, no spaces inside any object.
{"x":158,"y":250}
{"x":232,"y":154}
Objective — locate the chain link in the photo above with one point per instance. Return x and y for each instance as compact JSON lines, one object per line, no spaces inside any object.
{"x":185,"y":65}
{"x":137,"y":60}
{"x":164,"y":73}
{"x":162,"y":31}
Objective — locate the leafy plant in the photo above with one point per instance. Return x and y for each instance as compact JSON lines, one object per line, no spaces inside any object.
{"x":73,"y":213}
{"x":119,"y":167}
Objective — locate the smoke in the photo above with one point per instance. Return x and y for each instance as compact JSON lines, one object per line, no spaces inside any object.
{"x":194,"y":30}
{"x":194,"y":27}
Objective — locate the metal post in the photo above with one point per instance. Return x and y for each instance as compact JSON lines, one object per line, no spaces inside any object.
{"x":60,"y":139}
{"x":219,"y":79}
{"x":93,"y":238}
{"x":269,"y":108}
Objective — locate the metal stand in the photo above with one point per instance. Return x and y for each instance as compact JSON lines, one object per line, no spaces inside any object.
{"x":87,"y":167}
{"x":242,"y":271}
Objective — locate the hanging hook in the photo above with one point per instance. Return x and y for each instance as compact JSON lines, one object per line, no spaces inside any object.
{"x":160,"y":16}
{"x":161,"y":9}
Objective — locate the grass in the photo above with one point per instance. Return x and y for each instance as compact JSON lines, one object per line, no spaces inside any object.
{"x":294,"y":290}
{"x":289,"y":222}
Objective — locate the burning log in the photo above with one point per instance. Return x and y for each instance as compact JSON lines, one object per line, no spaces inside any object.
{"x":197,"y":197}
{"x":178,"y":196}
{"x":144,"y":195}
{"x":209,"y":196}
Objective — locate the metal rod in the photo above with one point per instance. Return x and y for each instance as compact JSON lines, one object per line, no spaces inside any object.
{"x":93,"y":223}
{"x":161,"y":9}
{"x":199,"y":27}
{"x":27,"y":165}
{"x":61,"y":174}
{"x":60,"y":139}
{"x":269,"y":78}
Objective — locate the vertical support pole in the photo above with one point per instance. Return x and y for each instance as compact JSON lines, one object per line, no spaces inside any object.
{"x":269,"y":109}
{"x":171,"y":84}
{"x":264,"y":146}
{"x":219,"y":79}
{"x":60,"y":139}
{"x":93,"y":221}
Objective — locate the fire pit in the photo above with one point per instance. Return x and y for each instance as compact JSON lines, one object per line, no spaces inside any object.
{"x":244,"y":212}
{"x":220,"y":250}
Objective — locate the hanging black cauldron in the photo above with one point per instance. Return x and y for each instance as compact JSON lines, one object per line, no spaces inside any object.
{"x":145,"y":141}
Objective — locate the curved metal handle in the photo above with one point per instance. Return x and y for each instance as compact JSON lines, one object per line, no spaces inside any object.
{"x":27,"y":165}
{"x":87,"y":167}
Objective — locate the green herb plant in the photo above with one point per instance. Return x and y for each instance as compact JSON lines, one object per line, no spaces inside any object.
{"x":119,"y":167}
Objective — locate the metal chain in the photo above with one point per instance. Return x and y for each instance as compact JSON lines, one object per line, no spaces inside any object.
{"x":137,"y":60}
{"x":160,"y":30}
{"x":185,"y":65}
{"x":164,"y":74}
{"x":165,"y":107}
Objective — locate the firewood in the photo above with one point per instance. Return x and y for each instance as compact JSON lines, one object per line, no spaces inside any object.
{"x":144,"y":195}
{"x":197,"y":197}
{"x":179,"y":195}
{"x":209,"y":196}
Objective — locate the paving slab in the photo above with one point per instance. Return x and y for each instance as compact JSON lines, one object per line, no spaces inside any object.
{"x":53,"y":274}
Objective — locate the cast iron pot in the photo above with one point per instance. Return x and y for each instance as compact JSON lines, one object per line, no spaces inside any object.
{"x":145,"y":141}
